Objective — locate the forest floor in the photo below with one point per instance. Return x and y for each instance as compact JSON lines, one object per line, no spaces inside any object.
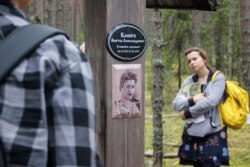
{"x":238,"y":141}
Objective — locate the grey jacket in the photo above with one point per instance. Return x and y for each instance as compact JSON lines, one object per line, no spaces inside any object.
{"x":214,"y":92}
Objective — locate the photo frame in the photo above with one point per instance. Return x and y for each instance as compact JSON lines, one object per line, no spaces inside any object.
{"x":127,"y":91}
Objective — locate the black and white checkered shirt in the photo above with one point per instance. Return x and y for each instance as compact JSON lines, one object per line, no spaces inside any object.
{"x":47,"y":104}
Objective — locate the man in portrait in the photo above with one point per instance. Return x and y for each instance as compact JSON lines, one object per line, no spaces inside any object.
{"x":128,"y":105}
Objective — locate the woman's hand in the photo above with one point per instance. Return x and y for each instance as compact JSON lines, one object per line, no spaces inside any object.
{"x":199,"y":97}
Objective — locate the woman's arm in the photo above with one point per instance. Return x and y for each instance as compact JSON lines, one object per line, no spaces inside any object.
{"x":181,"y":101}
{"x":213,"y":94}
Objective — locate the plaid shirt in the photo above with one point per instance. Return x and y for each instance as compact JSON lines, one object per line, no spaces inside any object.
{"x":47,"y":104}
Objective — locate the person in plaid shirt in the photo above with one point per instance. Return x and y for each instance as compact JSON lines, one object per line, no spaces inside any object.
{"x":47,"y":107}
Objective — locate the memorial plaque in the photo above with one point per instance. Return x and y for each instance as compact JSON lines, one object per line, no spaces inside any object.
{"x":126,"y":42}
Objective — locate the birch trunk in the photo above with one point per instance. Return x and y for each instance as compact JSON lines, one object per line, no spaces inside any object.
{"x":245,"y":34}
{"x":157,"y":91}
{"x":196,"y":15}
{"x":231,"y":17}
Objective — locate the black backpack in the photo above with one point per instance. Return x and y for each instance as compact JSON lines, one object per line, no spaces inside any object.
{"x":15,"y":47}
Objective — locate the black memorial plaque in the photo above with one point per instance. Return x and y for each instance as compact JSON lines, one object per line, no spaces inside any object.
{"x":126,"y":42}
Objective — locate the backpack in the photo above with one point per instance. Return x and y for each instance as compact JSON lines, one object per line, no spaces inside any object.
{"x":234,"y":108}
{"x":23,"y":41}
{"x":16,"y":46}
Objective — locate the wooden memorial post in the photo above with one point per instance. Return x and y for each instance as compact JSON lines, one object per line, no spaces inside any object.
{"x":115,"y":44}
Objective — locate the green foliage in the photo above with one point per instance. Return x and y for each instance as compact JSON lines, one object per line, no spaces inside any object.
{"x":239,"y":147}
{"x":238,"y":140}
{"x":177,"y":33}
{"x":80,"y":37}
{"x":30,"y":9}
{"x":177,"y":36}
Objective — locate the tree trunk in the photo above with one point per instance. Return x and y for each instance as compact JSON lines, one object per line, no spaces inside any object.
{"x":196,"y":17}
{"x":218,"y":45}
{"x":231,"y":18}
{"x":67,"y":15}
{"x":157,"y":91}
{"x":179,"y":67}
{"x":245,"y":34}
{"x":74,"y":18}
{"x":80,"y":23}
{"x":59,"y":14}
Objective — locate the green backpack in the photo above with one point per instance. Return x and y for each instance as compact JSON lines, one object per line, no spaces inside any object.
{"x":235,"y":107}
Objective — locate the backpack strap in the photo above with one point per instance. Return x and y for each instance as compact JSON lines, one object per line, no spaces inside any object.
{"x":213,"y":78}
{"x":20,"y":43}
{"x":214,"y":75}
{"x":2,"y":156}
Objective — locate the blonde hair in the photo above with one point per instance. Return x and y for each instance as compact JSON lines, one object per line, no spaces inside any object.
{"x":201,"y":52}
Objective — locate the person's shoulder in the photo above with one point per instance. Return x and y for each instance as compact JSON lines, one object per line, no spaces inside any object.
{"x":64,"y":46}
{"x":219,"y":75}
{"x":189,"y":79}
{"x":13,"y":19}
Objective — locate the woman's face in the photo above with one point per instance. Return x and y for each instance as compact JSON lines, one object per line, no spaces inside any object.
{"x":195,"y":61}
{"x":128,"y":89}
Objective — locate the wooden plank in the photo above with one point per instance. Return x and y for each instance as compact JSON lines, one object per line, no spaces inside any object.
{"x":209,"y":5}
{"x":120,"y":141}
{"x":171,"y":3}
{"x":170,"y":155}
{"x":129,"y":133}
{"x":95,"y":21}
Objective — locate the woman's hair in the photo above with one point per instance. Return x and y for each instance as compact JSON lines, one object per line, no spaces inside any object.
{"x":128,"y":75}
{"x":201,"y":52}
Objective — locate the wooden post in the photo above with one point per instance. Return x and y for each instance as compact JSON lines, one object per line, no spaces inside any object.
{"x":120,"y":141}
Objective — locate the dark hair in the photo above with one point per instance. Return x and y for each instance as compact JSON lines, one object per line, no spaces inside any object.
{"x":128,"y":75}
{"x":201,"y":52}
{"x":4,"y":1}
{"x":7,"y":3}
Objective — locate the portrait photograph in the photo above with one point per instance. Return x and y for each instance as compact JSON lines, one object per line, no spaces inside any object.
{"x":127,"y":91}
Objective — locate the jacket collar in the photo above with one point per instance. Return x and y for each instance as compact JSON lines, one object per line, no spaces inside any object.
{"x":210,"y":75}
{"x":9,"y":9}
